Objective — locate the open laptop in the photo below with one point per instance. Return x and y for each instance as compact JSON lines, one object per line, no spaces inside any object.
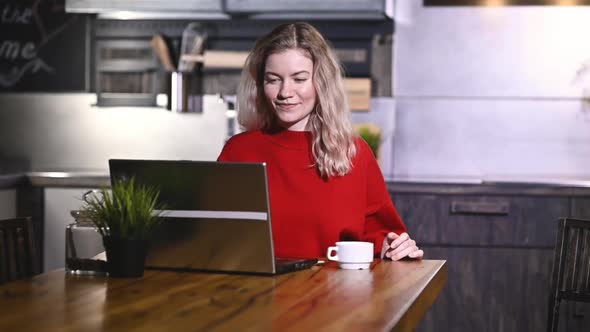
{"x":217,"y":216}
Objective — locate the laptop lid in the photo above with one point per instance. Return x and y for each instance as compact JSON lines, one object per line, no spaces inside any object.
{"x":217,"y":214}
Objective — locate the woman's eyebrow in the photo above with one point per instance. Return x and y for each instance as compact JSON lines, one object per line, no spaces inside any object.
{"x":294,"y":74}
{"x":300,"y":72}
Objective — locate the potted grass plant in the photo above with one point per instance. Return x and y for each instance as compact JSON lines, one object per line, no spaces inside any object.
{"x":372,"y":135}
{"x":126,"y":217}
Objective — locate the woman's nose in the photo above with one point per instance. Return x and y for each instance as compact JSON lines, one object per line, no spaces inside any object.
{"x":285,"y":91}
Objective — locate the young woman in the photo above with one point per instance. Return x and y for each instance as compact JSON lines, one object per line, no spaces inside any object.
{"x":325,"y":184}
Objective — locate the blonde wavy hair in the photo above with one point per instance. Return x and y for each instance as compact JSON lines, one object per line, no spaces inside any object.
{"x":333,"y":137}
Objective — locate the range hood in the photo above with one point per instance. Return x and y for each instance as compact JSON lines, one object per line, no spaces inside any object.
{"x":230,"y":9}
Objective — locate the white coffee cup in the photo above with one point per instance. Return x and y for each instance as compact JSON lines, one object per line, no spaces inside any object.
{"x":352,"y":255}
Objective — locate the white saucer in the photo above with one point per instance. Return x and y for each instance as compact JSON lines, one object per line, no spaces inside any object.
{"x":355,"y":266}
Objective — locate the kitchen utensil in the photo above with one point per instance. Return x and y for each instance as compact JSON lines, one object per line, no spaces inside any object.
{"x":162,"y":50}
{"x":193,"y":39}
{"x":197,"y":49}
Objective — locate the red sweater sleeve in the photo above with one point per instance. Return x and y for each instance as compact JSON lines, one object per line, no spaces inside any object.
{"x":381,"y":217}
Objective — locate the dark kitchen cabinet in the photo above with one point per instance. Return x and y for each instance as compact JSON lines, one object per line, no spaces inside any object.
{"x":575,"y":317}
{"x":499,"y":249}
{"x":581,"y":207}
{"x":491,"y":289}
{"x":482,"y":220}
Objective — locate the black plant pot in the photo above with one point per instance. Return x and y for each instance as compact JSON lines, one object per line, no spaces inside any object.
{"x":125,"y":258}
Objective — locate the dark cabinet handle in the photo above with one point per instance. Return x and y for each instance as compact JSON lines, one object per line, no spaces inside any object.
{"x":486,"y":208}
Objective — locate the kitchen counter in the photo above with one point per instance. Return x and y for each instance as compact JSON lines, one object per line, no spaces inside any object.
{"x":498,"y":186}
{"x":12,"y":180}
{"x":55,"y":179}
{"x":69,"y":179}
{"x":492,"y":187}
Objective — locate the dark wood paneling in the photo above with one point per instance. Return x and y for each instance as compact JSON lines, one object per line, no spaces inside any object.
{"x":581,"y":207}
{"x":491,"y":289}
{"x":516,"y":221}
{"x":420,"y":213}
{"x":500,"y":251}
{"x":575,"y":317}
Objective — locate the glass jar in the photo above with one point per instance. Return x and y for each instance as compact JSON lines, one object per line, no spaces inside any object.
{"x":84,"y":247}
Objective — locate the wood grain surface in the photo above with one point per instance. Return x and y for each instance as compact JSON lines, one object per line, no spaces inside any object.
{"x":390,"y":296}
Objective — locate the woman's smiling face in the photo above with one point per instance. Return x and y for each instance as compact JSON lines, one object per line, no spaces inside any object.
{"x":288,"y":87}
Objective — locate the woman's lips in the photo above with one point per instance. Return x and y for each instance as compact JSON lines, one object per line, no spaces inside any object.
{"x":286,"y":106}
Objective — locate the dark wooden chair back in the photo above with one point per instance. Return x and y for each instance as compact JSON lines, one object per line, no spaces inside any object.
{"x":17,"y":249}
{"x":570,"y":279}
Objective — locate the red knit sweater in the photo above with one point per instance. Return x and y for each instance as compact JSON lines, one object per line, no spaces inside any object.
{"x":308,"y":214}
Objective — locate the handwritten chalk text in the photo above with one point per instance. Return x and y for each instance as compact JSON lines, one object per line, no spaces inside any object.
{"x":11,"y":14}
{"x":14,"y":50}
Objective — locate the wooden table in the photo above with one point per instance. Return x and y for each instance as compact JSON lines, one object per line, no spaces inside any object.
{"x":392,"y":295}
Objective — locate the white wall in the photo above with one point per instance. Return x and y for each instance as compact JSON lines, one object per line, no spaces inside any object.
{"x":491,"y":92}
{"x":382,"y":114}
{"x":509,"y":51}
{"x":66,"y":132}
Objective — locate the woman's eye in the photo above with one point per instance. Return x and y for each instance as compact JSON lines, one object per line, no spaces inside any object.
{"x":272,"y":80}
{"x":300,"y":80}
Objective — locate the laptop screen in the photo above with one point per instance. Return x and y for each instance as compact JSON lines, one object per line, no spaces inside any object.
{"x":217,"y":214}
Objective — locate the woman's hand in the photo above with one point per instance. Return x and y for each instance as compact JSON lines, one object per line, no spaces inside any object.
{"x":396,"y":247}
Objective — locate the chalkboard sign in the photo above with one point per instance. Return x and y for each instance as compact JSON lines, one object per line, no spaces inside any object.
{"x":42,"y":49}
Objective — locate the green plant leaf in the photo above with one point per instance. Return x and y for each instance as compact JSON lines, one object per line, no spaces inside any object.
{"x":128,"y":211}
{"x":373,"y":139}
